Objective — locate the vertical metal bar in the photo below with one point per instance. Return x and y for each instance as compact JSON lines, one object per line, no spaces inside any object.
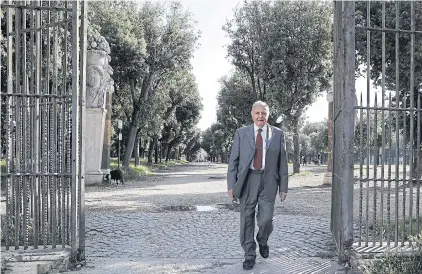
{"x":361,"y":169}
{"x":376,"y":159}
{"x":396,"y":216}
{"x":24,"y":140}
{"x":403,"y":232}
{"x":9,"y":181}
{"x":75,"y":124}
{"x":53,"y":138}
{"x":419,"y":162}
{"x":84,"y":23}
{"x":36,"y":136}
{"x":32,"y":119}
{"x":64,"y":131}
{"x":18,"y":107}
{"x":383,"y":127}
{"x":411,"y":114}
{"x":44,"y":123}
{"x":368,"y":104}
{"x":390,"y":140}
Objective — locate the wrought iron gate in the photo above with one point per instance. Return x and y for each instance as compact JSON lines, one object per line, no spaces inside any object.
{"x":377,"y":131}
{"x":44,"y":45}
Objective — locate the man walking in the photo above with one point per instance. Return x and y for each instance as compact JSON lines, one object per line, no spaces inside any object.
{"x":257,"y":171}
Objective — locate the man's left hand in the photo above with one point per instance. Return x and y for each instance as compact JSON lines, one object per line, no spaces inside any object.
{"x":283,"y":196}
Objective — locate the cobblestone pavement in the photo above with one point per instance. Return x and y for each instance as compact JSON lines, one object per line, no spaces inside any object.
{"x":154,"y":226}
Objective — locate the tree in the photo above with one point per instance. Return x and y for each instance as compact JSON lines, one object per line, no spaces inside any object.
{"x":318,"y":136}
{"x":247,"y":32}
{"x":148,"y":43}
{"x":299,"y":55}
{"x":285,"y":48}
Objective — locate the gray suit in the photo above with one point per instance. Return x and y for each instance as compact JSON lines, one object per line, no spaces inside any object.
{"x":253,"y":187}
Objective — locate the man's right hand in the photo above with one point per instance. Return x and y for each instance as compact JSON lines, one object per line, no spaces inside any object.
{"x":230,"y":193}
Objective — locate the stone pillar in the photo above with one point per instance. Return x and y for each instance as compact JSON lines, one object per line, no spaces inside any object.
{"x":99,"y":83}
{"x":105,"y":163}
{"x":329,"y":175}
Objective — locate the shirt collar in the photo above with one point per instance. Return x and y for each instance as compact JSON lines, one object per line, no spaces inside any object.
{"x":255,"y":127}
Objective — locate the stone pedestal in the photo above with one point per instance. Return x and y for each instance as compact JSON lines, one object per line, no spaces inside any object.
{"x":94,"y":130}
{"x":98,"y":84}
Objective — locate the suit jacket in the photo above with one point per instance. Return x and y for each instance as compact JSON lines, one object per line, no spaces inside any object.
{"x":242,"y":153}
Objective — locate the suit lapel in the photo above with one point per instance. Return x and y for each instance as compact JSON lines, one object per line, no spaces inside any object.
{"x":251,"y":137}
{"x":270,"y":136}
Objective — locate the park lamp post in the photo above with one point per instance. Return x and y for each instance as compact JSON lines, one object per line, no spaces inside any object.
{"x":119,"y":126}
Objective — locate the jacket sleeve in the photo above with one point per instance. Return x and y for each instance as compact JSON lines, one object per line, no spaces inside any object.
{"x":283,"y":168}
{"x":233,"y":162}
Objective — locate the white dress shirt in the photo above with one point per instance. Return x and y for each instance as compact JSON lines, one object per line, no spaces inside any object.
{"x":264,"y":143}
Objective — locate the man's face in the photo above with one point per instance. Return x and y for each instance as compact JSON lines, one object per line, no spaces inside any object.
{"x":259,"y":116}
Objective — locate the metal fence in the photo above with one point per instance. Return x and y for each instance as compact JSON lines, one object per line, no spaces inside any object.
{"x":388,"y":128}
{"x":43,"y":108}
{"x":377,"y":161}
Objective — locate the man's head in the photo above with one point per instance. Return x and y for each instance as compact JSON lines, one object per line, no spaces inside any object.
{"x":260,"y":112}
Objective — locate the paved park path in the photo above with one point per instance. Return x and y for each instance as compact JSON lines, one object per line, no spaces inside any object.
{"x":181,"y":221}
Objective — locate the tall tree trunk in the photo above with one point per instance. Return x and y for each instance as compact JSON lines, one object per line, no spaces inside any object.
{"x":130,"y":145}
{"x":133,"y":130}
{"x":168,"y":150}
{"x":161,"y":152}
{"x":151,"y":150}
{"x":296,"y":158}
{"x":164,"y":152}
{"x":156,"y":149}
{"x":136,"y":148}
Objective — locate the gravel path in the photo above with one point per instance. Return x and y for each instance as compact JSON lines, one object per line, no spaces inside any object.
{"x":180,"y":220}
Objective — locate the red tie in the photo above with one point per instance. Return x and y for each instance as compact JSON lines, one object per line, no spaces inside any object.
{"x":257,"y":160}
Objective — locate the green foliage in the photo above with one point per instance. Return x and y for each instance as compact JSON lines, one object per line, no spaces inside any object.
{"x":393,"y":263}
{"x":155,"y":94}
{"x":282,"y":51}
{"x":315,"y":135}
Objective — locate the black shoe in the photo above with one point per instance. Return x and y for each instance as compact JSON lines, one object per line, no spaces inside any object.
{"x":264,"y":250}
{"x":248,"y":264}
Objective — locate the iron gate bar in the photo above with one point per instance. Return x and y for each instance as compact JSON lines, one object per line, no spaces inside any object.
{"x":75,"y":124}
{"x":41,"y":181}
{"x":396,"y":217}
{"x":382,"y":124}
{"x":19,"y":127}
{"x":56,"y":96}
{"x":390,"y":180}
{"x":406,"y":113}
{"x":8,"y":123}
{"x":387,"y":30}
{"x":82,"y":101}
{"x":49,"y":25}
{"x":412,"y":79}
{"x":36,"y":8}
{"x":368,"y":127}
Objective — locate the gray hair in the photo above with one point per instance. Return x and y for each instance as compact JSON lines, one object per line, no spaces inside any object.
{"x":262,"y":104}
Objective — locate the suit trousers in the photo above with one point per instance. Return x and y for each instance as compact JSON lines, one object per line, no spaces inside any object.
{"x":253,"y":194}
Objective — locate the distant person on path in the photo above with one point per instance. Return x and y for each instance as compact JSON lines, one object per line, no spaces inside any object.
{"x":257,"y":171}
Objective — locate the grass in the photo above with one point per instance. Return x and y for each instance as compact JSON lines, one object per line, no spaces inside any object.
{"x":401,"y":226}
{"x":394,"y":263}
{"x":143,"y":169}
{"x":302,"y":173}
{"x":3,"y":165}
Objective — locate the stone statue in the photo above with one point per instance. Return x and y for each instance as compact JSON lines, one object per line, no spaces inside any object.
{"x":98,"y":71}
